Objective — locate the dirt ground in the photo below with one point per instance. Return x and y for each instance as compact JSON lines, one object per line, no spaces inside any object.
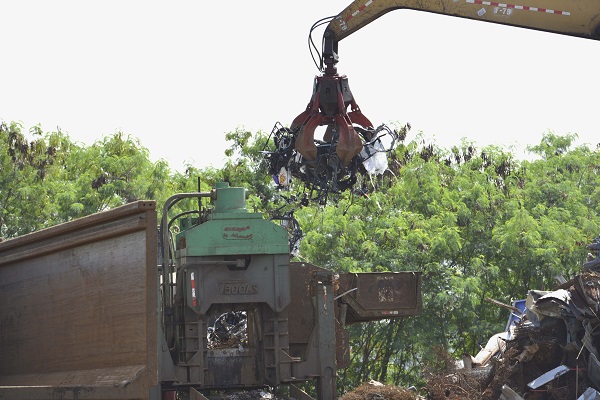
{"x":377,"y":391}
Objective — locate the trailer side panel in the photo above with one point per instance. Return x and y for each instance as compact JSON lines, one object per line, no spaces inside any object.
{"x":78,"y":309}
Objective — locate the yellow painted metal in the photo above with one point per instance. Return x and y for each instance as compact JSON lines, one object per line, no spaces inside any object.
{"x":574,"y":18}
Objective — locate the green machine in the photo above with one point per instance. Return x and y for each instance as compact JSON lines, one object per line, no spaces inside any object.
{"x":237,"y":314}
{"x":232,"y":268}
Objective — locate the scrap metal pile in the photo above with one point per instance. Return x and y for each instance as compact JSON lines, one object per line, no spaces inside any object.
{"x":229,"y":330}
{"x":551,"y":349}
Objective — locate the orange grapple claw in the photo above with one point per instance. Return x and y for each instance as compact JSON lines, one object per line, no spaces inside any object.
{"x":331,"y":96}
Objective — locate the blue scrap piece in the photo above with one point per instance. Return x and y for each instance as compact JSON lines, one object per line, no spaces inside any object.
{"x":514,"y":318}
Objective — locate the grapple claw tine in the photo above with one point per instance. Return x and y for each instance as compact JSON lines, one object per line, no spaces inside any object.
{"x":305,"y":141}
{"x":330,"y":99}
{"x":359,"y":118}
{"x":349,"y":143}
{"x":301,"y":119}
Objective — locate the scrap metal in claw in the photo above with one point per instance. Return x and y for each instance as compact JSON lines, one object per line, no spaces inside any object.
{"x":326,"y":175}
{"x":330,"y":98}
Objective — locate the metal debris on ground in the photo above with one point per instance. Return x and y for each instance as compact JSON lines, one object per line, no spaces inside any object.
{"x":590,"y":394}
{"x":549,"y":351}
{"x":377,"y":391}
{"x":257,"y":394}
{"x":509,"y":394}
{"x":593,"y":259}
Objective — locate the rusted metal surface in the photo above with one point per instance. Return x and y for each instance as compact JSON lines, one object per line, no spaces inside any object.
{"x":78,"y":309}
{"x":301,"y":307}
{"x":376,"y":296}
{"x":359,"y":298}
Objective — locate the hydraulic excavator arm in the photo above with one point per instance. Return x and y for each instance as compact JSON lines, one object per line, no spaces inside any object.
{"x":349,"y":132}
{"x":579,"y":18}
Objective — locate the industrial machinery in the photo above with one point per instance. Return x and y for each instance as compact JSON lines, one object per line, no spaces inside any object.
{"x":91,"y":309}
{"x":87,"y":312}
{"x":332,"y":163}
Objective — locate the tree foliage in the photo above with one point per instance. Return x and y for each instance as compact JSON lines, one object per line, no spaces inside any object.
{"x":29,"y":168}
{"x":113,"y":171}
{"x":47,"y":179}
{"x":476,"y":224}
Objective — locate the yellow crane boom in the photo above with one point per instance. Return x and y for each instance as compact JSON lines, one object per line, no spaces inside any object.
{"x":574,"y":18}
{"x":331,"y":92}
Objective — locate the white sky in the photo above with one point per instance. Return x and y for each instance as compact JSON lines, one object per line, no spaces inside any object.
{"x":179,"y":75}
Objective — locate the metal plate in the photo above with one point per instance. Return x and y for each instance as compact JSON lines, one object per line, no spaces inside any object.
{"x":78,"y":308}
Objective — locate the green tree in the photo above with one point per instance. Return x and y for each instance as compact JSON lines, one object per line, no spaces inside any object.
{"x":48,"y":179}
{"x":477,"y":224}
{"x":246,"y":166}
{"x":28,"y":167}
{"x":113,"y":171}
